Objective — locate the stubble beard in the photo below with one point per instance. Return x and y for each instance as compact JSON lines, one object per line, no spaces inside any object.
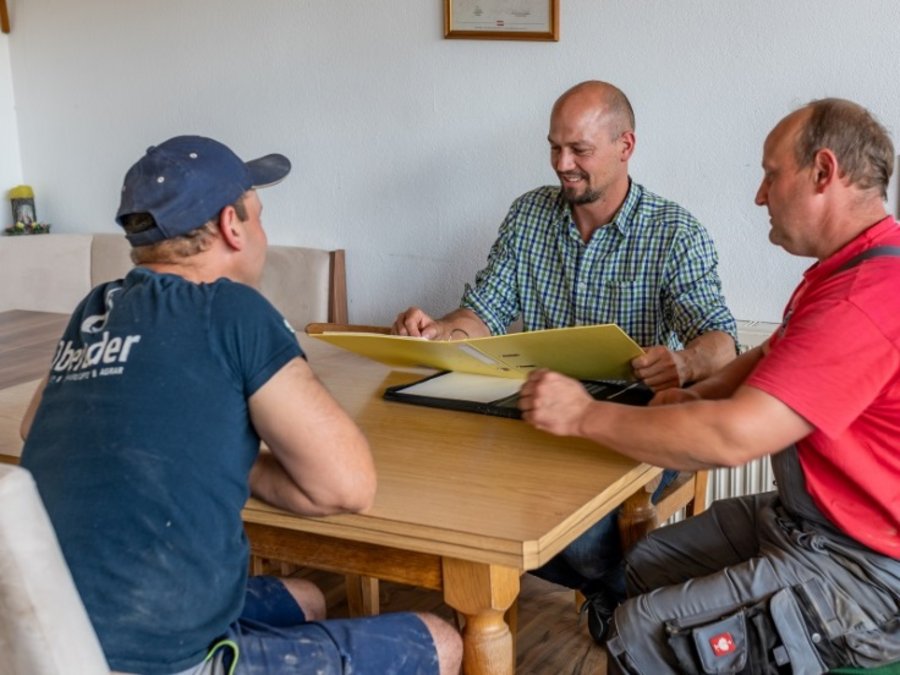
{"x":589,"y":196}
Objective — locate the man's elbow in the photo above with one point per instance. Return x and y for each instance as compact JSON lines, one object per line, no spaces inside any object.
{"x":359,"y":495}
{"x":353,"y":494}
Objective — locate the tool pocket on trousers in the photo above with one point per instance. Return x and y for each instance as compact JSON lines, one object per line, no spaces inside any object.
{"x":717,"y":646}
{"x":745,"y":642}
{"x":769,"y":637}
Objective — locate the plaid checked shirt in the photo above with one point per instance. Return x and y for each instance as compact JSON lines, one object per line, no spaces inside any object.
{"x":652,"y":271}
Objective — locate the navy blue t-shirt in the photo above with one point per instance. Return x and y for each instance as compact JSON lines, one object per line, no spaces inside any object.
{"x":141,"y":449}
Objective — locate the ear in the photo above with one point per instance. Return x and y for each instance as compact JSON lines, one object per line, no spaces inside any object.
{"x":230,"y":229}
{"x":825,"y":169}
{"x":628,"y":141}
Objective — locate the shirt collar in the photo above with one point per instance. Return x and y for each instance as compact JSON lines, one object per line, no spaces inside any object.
{"x":625,"y":216}
{"x":624,"y":219}
{"x":865,"y":240}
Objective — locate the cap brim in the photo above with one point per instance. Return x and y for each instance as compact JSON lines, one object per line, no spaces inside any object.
{"x":268,"y":170}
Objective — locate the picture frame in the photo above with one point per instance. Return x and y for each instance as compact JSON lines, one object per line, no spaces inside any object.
{"x":502,"y":19}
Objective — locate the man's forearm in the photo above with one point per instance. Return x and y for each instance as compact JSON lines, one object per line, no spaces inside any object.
{"x":688,"y":436}
{"x":707,"y":354}
{"x":272,"y":484}
{"x":726,"y":381}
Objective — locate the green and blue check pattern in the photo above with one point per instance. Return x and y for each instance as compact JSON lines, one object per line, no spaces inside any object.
{"x":652,"y":271}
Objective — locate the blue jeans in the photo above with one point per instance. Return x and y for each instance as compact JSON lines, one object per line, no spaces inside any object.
{"x":594,"y":563}
{"x":273,"y":636}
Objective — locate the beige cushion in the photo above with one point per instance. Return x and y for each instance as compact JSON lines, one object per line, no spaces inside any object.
{"x":296,"y":281}
{"x":43,"y":625}
{"x":110,"y":258}
{"x":53,"y":272}
{"x":44,"y":272}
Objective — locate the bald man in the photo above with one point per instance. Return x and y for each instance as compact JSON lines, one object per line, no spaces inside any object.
{"x":599,"y":248}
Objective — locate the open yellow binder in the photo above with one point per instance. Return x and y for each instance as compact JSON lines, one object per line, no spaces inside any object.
{"x":601,"y":352}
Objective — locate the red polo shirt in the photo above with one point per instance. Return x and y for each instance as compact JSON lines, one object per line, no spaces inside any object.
{"x":836,"y":362}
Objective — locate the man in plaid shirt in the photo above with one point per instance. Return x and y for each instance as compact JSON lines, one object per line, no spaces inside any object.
{"x":599,"y":249}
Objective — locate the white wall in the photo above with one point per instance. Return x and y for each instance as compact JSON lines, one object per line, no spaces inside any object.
{"x":10,"y":165}
{"x":408,"y":148}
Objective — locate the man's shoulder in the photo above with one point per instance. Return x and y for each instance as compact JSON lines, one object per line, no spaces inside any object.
{"x":228,"y":288}
{"x":545,"y":197}
{"x":235,"y":299}
{"x":652,"y":209}
{"x":535,"y":210}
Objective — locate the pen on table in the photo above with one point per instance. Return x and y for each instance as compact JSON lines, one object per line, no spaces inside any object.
{"x":622,"y":391}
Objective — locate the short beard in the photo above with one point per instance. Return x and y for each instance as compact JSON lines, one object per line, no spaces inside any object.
{"x":587,"y":197}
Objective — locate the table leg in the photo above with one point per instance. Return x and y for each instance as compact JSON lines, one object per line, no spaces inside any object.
{"x":362,"y":595}
{"x":482,"y":593}
{"x":638,"y":516}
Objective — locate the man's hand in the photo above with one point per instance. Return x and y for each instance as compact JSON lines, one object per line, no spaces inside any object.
{"x":553,"y":402}
{"x":661,"y":368}
{"x":416,"y":323}
{"x":674,"y":395}
{"x":457,"y":325}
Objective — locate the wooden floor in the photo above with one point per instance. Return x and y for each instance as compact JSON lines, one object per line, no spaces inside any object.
{"x":551,"y":640}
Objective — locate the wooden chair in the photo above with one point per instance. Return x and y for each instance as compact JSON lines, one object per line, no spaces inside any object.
{"x":306,"y":284}
{"x":686,"y":493}
{"x":315,"y":328}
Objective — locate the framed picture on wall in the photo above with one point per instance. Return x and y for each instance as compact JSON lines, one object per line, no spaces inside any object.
{"x":502,"y":19}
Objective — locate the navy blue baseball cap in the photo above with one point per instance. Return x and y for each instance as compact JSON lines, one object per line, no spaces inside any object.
{"x":186,"y":181}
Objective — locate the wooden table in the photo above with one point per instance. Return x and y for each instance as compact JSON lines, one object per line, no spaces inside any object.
{"x":27,"y":343}
{"x":466,"y":503}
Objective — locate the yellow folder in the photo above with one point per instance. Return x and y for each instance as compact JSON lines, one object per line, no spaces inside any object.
{"x":601,"y":352}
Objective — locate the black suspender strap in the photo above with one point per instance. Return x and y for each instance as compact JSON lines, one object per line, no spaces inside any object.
{"x":874,"y":252}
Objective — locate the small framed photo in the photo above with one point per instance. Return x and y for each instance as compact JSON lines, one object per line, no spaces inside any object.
{"x":502,"y":19}
{"x":23,"y":210}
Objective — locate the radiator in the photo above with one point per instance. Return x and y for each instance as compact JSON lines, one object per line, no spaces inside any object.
{"x":756,"y":476}
{"x":749,"y":479}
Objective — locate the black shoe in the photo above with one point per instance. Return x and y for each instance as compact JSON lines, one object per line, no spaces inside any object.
{"x":599,"y":616}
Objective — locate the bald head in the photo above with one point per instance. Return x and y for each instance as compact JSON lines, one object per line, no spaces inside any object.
{"x":606,"y":102}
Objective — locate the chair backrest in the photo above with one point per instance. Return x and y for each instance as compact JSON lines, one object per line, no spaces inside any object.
{"x":687,"y":491}
{"x":44,"y":272}
{"x":110,"y":258}
{"x":315,"y":328}
{"x":52,"y":273}
{"x":44,"y":627}
{"x":306,"y":284}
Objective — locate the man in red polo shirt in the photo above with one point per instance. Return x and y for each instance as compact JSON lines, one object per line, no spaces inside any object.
{"x":807,"y":578}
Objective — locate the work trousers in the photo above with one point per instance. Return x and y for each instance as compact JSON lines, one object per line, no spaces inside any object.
{"x":747,"y":587}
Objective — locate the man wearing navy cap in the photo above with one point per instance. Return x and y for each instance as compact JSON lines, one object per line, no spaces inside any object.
{"x":144,"y":443}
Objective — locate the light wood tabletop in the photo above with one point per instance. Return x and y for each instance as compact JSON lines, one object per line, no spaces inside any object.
{"x":466,"y":503}
{"x":27,"y":342}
